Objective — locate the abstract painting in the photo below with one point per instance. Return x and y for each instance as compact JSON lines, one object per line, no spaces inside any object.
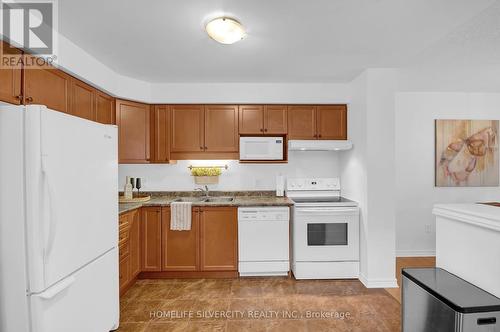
{"x":467,"y":153}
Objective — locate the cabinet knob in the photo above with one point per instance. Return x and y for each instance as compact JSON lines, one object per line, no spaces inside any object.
{"x":206,"y":147}
{"x":319,"y":135}
{"x":265,"y":130}
{"x":19,"y":97}
{"x":201,"y":147}
{"x":29,"y":99}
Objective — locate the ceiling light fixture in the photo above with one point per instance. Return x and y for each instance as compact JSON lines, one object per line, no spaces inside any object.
{"x":225,"y":30}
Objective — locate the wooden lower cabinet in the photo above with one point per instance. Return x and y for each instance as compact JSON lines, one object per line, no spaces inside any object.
{"x":151,"y":220}
{"x":135,"y":243}
{"x":180,"y":248}
{"x":211,"y":244}
{"x":129,"y":250}
{"x":149,"y":249}
{"x":219,"y":239}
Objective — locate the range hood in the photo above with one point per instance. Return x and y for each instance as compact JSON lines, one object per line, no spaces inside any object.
{"x":319,"y":145}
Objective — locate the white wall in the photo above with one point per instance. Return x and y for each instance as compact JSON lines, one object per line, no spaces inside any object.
{"x":415,"y":191}
{"x":368,"y":172}
{"x":237,"y":176}
{"x":286,"y":93}
{"x":74,"y":60}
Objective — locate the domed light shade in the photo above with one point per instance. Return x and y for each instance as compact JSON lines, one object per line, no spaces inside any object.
{"x":225,"y":30}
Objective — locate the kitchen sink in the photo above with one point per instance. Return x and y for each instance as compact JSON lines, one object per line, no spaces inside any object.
{"x":218,"y":199}
{"x":189,"y":199}
{"x":204,"y":199}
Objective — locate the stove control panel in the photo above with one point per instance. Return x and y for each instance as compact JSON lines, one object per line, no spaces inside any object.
{"x":312,"y":184}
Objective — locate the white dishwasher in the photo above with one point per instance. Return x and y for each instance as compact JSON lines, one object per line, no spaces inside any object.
{"x":263,"y":241}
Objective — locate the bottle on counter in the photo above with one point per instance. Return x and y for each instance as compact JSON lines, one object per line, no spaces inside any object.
{"x":127,"y":191}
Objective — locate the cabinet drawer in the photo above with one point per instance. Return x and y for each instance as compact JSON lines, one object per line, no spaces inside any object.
{"x":123,"y":235}
{"x":123,"y":249}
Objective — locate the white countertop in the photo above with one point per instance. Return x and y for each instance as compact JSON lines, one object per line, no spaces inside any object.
{"x":477,"y":214}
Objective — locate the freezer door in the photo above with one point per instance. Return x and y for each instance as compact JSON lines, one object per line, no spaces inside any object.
{"x":71,"y":186}
{"x":85,"y":301}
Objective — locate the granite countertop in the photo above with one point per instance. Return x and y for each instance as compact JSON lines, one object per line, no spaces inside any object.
{"x":248,"y":198}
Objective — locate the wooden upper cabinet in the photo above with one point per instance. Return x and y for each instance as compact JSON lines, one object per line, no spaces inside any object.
{"x":180,"y":248}
{"x":187,"y":128}
{"x":10,"y":77}
{"x":49,"y":87}
{"x":219,"y":239}
{"x":251,"y":119}
{"x":332,"y":122}
{"x":133,"y":120}
{"x":221,"y":128}
{"x":302,"y":122}
{"x":135,"y":243}
{"x":151,"y":238}
{"x":83,"y":100}
{"x":275,"y":119}
{"x":105,"y":108}
{"x":160,"y":134}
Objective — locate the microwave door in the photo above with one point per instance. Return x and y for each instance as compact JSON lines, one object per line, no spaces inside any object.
{"x":260,"y":149}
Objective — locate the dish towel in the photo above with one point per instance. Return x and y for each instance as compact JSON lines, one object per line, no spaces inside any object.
{"x":180,"y":216}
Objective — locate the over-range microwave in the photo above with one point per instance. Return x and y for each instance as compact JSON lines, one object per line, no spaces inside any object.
{"x":261,"y":148}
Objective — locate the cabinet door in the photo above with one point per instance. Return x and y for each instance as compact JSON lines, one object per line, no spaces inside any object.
{"x":124,"y":273}
{"x":275,"y":119}
{"x":221,"y":128}
{"x":10,"y":77}
{"x":133,"y":132}
{"x":83,"y":100}
{"x":180,"y":248}
{"x":49,"y":87}
{"x":302,"y":122}
{"x":151,"y":238}
{"x":160,"y":134}
{"x":105,"y":108}
{"x":251,"y":119}
{"x":187,"y":128}
{"x":135,"y":243}
{"x":219,"y":239}
{"x":332,"y":122}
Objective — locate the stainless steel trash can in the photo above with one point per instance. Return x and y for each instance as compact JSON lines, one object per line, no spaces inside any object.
{"x":436,"y":300}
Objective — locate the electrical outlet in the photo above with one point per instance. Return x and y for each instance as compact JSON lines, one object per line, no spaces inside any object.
{"x":428,"y":229}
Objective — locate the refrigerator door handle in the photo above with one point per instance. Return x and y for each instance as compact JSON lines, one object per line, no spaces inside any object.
{"x":57,"y":288}
{"x":52,"y":216}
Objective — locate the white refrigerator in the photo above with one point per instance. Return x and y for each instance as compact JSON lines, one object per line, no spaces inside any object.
{"x":58,"y":222}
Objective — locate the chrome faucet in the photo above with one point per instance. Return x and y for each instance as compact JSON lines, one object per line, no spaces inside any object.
{"x":204,"y":190}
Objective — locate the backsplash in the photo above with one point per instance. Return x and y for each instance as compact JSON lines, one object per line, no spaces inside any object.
{"x":238,"y":176}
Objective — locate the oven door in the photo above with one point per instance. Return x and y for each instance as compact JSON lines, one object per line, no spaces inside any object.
{"x":326,"y":234}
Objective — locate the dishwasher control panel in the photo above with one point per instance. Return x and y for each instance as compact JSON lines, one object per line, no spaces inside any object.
{"x":263,"y":213}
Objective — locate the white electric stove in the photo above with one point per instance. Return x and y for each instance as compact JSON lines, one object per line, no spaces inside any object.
{"x":325,"y":230}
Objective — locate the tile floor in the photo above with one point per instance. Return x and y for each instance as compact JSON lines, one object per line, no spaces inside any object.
{"x":257,"y":304}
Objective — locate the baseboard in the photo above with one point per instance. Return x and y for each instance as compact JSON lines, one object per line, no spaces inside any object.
{"x":378,"y":283}
{"x":415,"y":253}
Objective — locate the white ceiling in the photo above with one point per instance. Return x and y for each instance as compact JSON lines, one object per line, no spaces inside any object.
{"x":288,"y":40}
